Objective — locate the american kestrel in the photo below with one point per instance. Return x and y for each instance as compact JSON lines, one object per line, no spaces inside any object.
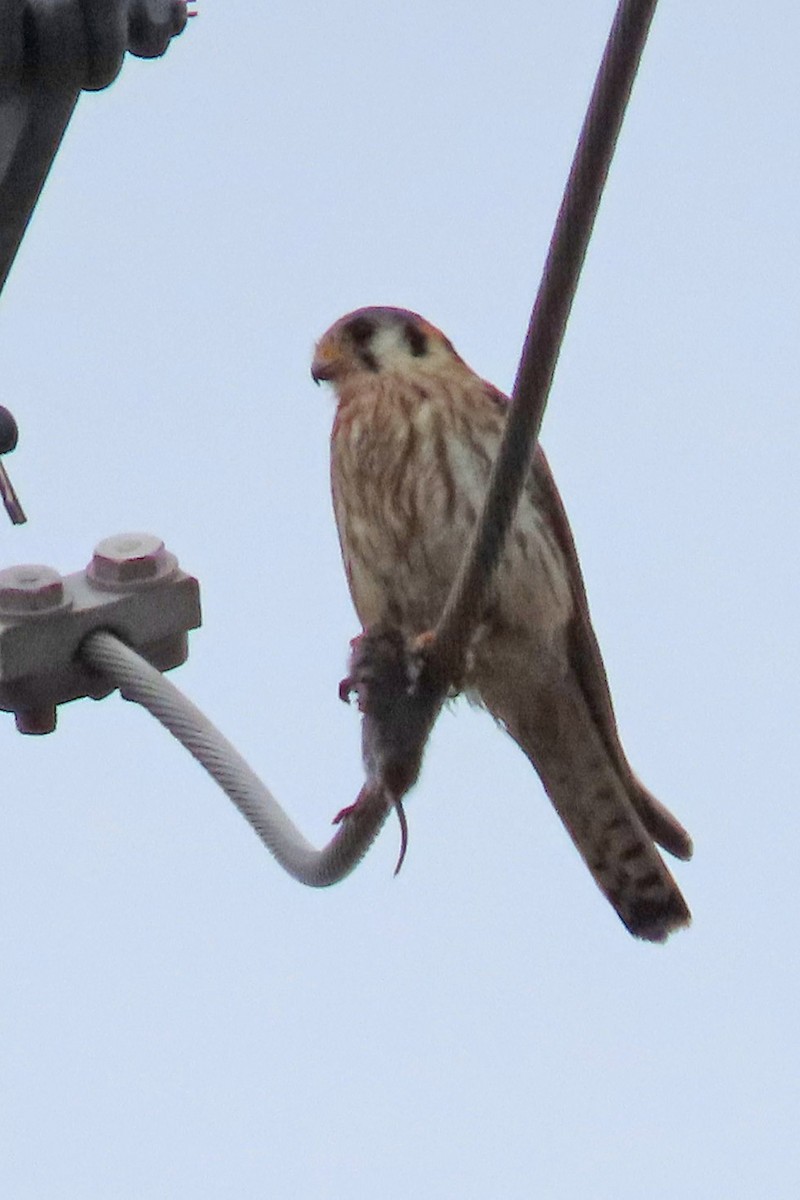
{"x":414,"y":438}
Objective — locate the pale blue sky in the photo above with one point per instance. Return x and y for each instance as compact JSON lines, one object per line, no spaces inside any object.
{"x":180,"y":1020}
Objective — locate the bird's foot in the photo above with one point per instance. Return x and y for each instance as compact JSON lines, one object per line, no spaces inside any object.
{"x":349,"y":685}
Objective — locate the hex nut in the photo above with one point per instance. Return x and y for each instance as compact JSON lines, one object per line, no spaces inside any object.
{"x":30,"y":589}
{"x":130,"y":560}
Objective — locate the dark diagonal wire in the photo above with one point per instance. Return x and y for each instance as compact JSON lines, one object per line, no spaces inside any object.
{"x":545,"y":334}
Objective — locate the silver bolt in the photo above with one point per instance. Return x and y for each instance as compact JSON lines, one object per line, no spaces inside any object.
{"x":30,"y":589}
{"x":130,"y":558}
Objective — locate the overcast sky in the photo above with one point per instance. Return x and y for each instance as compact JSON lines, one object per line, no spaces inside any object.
{"x":178,"y":1018}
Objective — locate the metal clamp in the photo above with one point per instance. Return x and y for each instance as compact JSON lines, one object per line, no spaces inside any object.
{"x":133,"y":586}
{"x":51,"y":50}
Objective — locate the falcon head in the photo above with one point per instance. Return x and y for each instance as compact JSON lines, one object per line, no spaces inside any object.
{"x":377,"y":340}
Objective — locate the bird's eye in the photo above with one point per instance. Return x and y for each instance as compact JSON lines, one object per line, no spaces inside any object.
{"x":361,"y":330}
{"x":417,"y":340}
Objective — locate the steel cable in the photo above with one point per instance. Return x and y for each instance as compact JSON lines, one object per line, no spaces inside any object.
{"x":138,"y":681}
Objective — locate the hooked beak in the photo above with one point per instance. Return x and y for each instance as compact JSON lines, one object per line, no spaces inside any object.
{"x":327,"y":361}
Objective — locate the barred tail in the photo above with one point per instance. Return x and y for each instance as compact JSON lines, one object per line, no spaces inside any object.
{"x":614,"y":837}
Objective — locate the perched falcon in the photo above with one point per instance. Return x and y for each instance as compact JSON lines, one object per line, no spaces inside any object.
{"x":414,"y":438}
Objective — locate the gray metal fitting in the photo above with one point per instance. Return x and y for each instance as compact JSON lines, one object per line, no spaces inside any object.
{"x":133,"y":587}
{"x":49,"y":51}
{"x":130,"y":560}
{"x":30,"y":590}
{"x":75,"y":44}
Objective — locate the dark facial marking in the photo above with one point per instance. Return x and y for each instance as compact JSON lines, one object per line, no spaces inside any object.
{"x":368,"y":359}
{"x":417,"y":340}
{"x":361,"y":331}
